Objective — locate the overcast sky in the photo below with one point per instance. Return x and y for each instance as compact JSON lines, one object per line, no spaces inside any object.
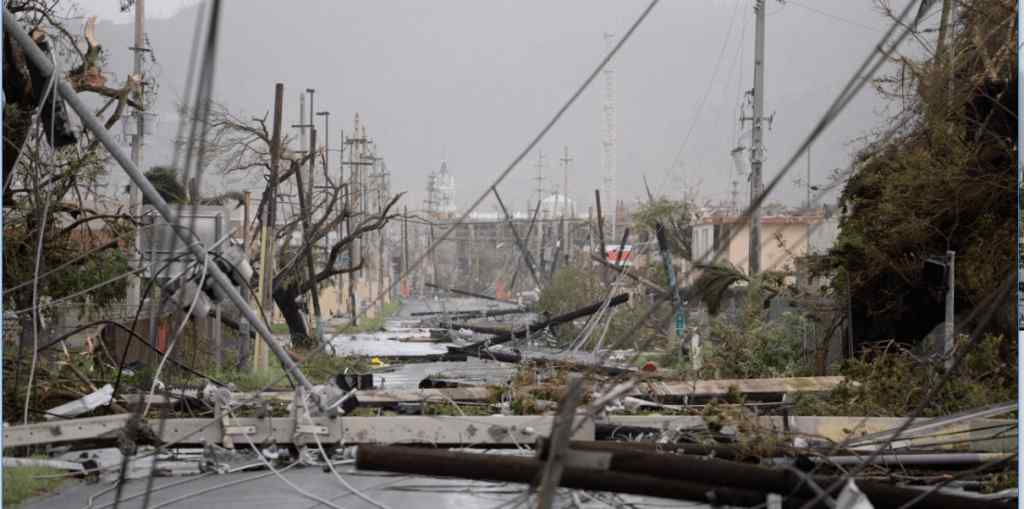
{"x":474,"y":81}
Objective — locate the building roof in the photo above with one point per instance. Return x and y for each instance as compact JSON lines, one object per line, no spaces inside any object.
{"x":814,"y":218}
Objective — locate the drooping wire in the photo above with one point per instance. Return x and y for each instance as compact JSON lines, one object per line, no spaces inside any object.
{"x":871,"y":64}
{"x":501,"y":176}
{"x":203,"y":105}
{"x":50,"y":90}
{"x":707,"y":90}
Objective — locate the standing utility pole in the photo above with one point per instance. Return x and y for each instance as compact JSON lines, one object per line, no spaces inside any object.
{"x":540,"y":199}
{"x":305,"y":209}
{"x":269,"y":220}
{"x":134,"y":195}
{"x":808,"y":177}
{"x":756,"y":141}
{"x":565,"y":200}
{"x":307,"y":218}
{"x":609,"y":154}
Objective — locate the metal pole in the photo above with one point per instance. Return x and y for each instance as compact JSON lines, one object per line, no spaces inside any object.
{"x":950,"y":329}
{"x":134,"y":201}
{"x":756,"y":137}
{"x":90,"y":122}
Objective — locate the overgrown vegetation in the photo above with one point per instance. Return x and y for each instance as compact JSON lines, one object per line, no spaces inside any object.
{"x":890,"y":379}
{"x":573,"y":287}
{"x":944,"y":180}
{"x":23,"y":483}
{"x":752,"y":346}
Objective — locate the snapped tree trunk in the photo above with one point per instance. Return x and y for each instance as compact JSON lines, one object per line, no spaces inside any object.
{"x":286,"y":300}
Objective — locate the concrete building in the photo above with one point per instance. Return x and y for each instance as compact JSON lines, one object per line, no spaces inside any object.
{"x":784,"y":239}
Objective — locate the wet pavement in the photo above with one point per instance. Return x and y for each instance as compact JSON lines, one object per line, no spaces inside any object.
{"x":261,"y":489}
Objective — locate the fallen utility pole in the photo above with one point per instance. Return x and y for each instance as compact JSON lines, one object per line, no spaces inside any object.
{"x":490,"y":467}
{"x":558,"y":442}
{"x":623,"y":270}
{"x":516,"y":358}
{"x":469,"y":294}
{"x":720,"y":451}
{"x":519,"y":242}
{"x":743,"y":476}
{"x":567,"y":317}
{"x":89,"y":120}
{"x":529,"y":231}
{"x":481,"y":313}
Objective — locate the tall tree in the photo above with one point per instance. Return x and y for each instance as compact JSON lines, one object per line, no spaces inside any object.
{"x":944,"y":180}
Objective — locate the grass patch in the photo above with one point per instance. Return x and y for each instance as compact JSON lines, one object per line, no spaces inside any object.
{"x":372,"y":324}
{"x":20,"y":483}
{"x":279,"y":328}
{"x":319,"y":368}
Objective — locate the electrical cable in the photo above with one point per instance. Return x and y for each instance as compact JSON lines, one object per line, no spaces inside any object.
{"x":39,"y":246}
{"x":203,"y":105}
{"x":857,"y":81}
{"x":73,"y":261}
{"x":278,"y":474}
{"x":501,"y":176}
{"x":165,"y":486}
{"x":224,"y":485}
{"x":330,"y":464}
{"x":707,"y":90}
{"x":81,"y":292}
{"x":961,"y":353}
{"x":177,"y":335}
{"x":833,"y":16}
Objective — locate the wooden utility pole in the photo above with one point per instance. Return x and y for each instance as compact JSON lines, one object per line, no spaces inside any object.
{"x":305,"y":210}
{"x":565,"y":201}
{"x":519,"y":242}
{"x":757,"y":143}
{"x":246,"y":204}
{"x":405,"y":240}
{"x":268,"y":243}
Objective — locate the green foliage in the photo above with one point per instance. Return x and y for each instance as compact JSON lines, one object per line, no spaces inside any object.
{"x":751,"y":346}
{"x":944,"y":181}
{"x":891,"y":380}
{"x":676,"y":216}
{"x":319,"y":369}
{"x":573,"y":287}
{"x":20,"y":483}
{"x":19,"y":263}
{"x":165,"y":180}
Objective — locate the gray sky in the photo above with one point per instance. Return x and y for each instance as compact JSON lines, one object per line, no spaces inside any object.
{"x":476,"y":80}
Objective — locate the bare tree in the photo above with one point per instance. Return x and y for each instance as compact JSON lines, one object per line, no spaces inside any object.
{"x":242,"y":149}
